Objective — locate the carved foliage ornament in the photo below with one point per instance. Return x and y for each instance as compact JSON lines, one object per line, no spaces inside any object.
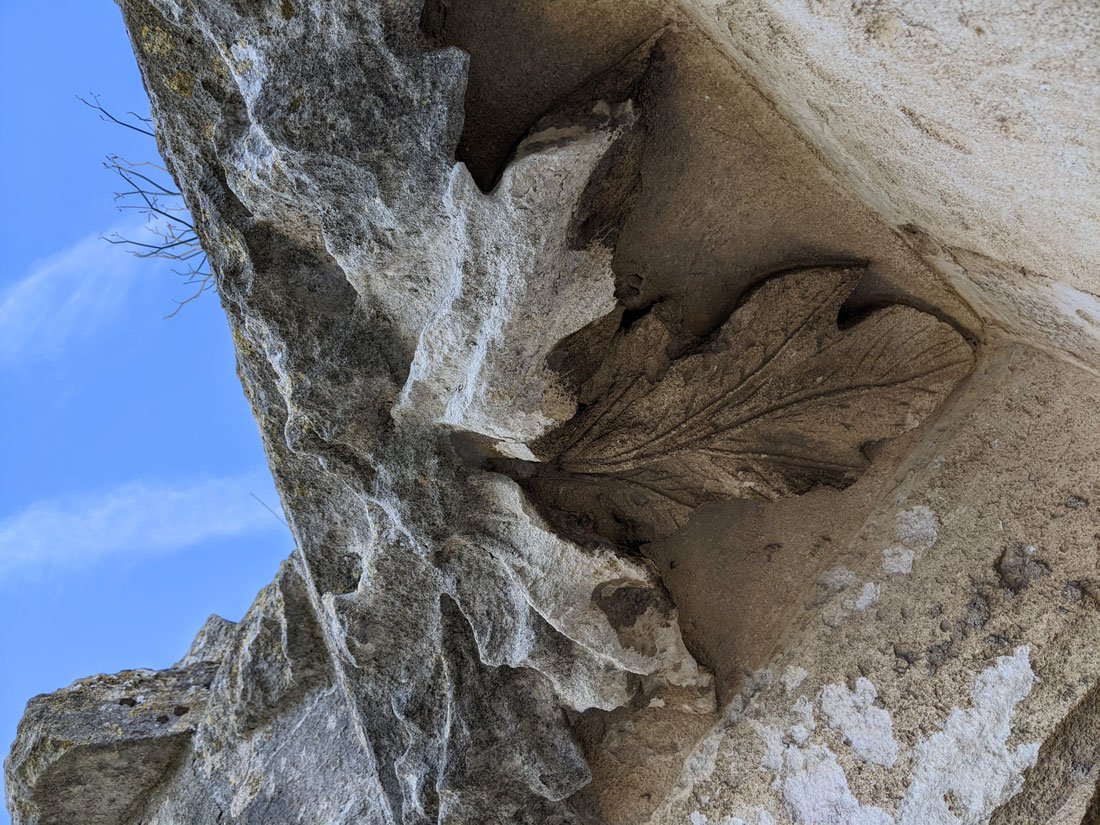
{"x":778,"y":400}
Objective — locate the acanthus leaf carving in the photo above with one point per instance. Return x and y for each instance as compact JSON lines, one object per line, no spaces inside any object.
{"x":778,"y":400}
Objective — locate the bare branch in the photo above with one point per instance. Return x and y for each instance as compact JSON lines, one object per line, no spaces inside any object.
{"x":115,"y":163}
{"x":173,"y":235}
{"x":105,"y":115}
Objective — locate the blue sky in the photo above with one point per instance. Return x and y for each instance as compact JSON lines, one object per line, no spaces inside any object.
{"x":129,"y":457}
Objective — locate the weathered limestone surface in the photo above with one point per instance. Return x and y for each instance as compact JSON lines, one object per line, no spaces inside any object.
{"x":947,"y":667}
{"x":94,"y":751}
{"x":971,"y":124}
{"x":685,"y":413}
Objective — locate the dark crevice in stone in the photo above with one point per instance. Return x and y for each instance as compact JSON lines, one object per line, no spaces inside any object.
{"x":1068,"y":759}
{"x":1092,"y":815}
{"x":501,"y":104}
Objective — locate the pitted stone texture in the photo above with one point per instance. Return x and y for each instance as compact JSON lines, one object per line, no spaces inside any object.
{"x":95,"y":751}
{"x":959,"y":695}
{"x":392,"y":325}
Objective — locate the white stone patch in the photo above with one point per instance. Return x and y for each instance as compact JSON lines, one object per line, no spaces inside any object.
{"x":869,"y":729}
{"x":918,"y":527}
{"x":772,"y":738}
{"x":837,"y":578}
{"x":967,"y":761}
{"x":969,"y":758}
{"x":816,"y":791}
{"x":897,"y":560}
{"x":250,"y":69}
{"x":793,"y":677}
{"x":1078,"y":307}
{"x":867,"y":596}
{"x":804,"y":711}
{"x":700,"y":765}
{"x":513,"y":449}
{"x":754,"y":816}
{"x":698,"y":818}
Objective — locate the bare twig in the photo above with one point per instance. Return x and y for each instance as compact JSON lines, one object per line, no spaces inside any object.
{"x":105,"y":115}
{"x":174,"y":236}
{"x":264,"y":503}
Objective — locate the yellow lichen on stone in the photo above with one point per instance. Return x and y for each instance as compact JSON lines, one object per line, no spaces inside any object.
{"x":242,"y":65}
{"x":156,"y":41}
{"x":220,"y":71}
{"x":241,"y":342}
{"x":182,"y":83}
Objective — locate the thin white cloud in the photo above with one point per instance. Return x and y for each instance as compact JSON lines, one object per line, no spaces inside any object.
{"x":67,"y":297}
{"x":134,"y":520}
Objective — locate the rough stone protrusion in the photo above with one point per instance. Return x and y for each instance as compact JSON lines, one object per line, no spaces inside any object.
{"x":94,"y":751}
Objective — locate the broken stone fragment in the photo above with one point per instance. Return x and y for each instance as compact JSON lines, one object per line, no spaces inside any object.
{"x":211,"y":643}
{"x":278,"y":654}
{"x":94,"y":751}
